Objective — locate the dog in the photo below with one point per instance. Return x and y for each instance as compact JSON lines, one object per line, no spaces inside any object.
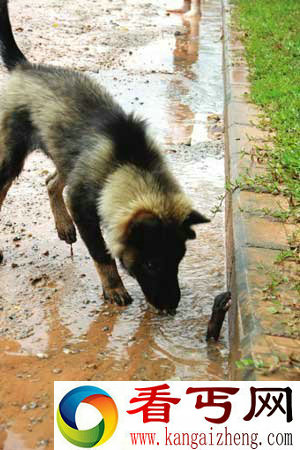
{"x":116,"y":176}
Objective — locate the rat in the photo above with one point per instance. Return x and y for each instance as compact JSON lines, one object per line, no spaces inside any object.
{"x":222,"y":303}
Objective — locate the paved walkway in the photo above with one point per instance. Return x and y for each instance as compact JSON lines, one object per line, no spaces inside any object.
{"x":264,"y":324}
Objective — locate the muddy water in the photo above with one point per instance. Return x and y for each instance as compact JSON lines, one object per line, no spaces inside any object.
{"x":54,"y":323}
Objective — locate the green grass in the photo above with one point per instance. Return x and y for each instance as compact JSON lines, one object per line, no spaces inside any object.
{"x":271,"y":35}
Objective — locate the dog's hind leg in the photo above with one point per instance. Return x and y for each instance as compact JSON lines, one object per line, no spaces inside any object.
{"x":85,"y":216}
{"x":15,"y":139}
{"x":15,"y":135}
{"x":63,"y":222}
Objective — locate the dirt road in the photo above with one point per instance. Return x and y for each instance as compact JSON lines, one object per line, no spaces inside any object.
{"x":54,"y":323}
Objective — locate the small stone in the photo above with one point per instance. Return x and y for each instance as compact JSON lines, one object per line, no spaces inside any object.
{"x":67,"y":351}
{"x":91,"y":366}
{"x":43,"y":443}
{"x":57,"y":371}
{"x":36,"y":420}
{"x":32,"y":405}
{"x":42,"y":355}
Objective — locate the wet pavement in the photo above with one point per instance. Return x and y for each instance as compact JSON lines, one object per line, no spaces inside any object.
{"x":54,"y":324}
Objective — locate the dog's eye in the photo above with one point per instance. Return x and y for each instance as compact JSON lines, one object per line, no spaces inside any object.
{"x":151,"y":266}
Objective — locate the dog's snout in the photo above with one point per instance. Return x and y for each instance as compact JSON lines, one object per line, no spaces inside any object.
{"x":166,"y":298}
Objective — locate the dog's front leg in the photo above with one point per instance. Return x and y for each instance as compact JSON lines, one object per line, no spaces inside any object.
{"x":112,"y":285}
{"x":87,"y":221}
{"x":113,"y":288}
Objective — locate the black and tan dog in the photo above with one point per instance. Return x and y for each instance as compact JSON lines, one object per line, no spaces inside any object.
{"x":115,"y":174}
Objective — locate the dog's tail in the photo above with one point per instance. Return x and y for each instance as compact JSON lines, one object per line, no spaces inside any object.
{"x":10,"y":52}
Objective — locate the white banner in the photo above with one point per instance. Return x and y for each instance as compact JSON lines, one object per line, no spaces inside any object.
{"x":123,"y":415}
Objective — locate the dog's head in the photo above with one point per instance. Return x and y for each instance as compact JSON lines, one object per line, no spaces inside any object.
{"x":152,"y":253}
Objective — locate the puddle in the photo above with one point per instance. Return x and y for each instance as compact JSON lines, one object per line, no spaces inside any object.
{"x":54,"y":324}
{"x":13,"y":442}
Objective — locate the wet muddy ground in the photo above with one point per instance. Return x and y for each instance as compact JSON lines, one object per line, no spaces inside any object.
{"x":54,"y":324}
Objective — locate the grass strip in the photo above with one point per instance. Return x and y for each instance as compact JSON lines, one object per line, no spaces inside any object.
{"x":271,"y":36}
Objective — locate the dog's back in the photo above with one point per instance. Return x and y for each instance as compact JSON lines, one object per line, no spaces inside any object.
{"x":64,"y":107}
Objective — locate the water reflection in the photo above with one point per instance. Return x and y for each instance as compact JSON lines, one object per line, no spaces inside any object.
{"x":185,"y":54}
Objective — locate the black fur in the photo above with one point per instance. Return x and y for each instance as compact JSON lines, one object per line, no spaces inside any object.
{"x":157,"y":261}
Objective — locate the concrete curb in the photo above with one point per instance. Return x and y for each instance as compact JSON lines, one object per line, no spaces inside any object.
{"x":253,"y":240}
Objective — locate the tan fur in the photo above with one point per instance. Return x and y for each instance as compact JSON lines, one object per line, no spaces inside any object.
{"x":127,"y":189}
{"x":25,"y":88}
{"x":130,"y":190}
{"x":100,"y":163}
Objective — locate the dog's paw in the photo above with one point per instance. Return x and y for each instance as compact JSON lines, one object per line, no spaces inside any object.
{"x":117,"y":295}
{"x":67,"y":233}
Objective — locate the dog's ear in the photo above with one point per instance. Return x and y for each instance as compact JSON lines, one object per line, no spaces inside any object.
{"x":193,"y":218}
{"x":140,"y":227}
